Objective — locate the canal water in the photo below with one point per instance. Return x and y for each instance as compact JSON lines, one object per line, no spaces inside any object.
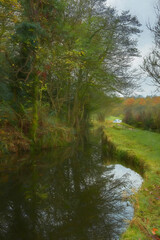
{"x":71,"y":193}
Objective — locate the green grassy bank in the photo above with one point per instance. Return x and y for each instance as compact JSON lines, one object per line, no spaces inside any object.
{"x":145,"y":146}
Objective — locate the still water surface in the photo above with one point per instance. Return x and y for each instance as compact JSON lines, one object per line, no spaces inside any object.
{"x":70,"y":193}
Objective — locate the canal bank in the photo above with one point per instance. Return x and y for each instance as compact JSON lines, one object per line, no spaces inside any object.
{"x":143,"y":149}
{"x":71,"y":192}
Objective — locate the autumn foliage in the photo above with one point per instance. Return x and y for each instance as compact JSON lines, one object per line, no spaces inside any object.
{"x":143,"y":112}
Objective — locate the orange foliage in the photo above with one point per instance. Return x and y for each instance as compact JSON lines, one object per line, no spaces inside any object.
{"x":129,"y":101}
{"x":143,"y":112}
{"x":142,"y":101}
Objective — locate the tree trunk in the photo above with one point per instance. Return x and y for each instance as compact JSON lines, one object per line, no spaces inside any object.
{"x":35,"y":111}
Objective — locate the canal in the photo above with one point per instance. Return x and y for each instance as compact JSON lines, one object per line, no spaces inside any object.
{"x":71,"y":193}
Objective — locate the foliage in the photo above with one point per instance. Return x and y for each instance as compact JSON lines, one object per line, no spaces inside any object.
{"x":143,"y":112}
{"x":63,"y":55}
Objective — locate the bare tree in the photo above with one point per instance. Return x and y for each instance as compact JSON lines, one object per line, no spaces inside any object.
{"x":151,"y":64}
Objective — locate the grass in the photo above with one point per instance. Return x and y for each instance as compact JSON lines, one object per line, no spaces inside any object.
{"x":112,"y":118}
{"x":145,"y":146}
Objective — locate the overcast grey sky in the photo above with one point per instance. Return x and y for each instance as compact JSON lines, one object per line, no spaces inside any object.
{"x":144,"y":10}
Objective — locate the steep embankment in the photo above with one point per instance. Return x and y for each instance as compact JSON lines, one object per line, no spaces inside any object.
{"x":145,"y":146}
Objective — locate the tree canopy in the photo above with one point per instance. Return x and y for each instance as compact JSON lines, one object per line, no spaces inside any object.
{"x":57,"y":54}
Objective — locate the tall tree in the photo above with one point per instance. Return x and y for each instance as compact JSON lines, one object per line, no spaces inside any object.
{"x":151,"y":64}
{"x":60,"y":52}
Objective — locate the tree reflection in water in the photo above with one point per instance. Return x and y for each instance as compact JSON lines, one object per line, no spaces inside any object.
{"x":65,"y":194}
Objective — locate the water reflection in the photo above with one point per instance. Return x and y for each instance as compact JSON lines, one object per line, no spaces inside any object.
{"x":66,"y":194}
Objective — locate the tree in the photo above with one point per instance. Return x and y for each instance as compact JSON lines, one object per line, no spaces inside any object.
{"x":59,"y":53}
{"x":107,"y":47}
{"x":151,"y":64}
{"x":26,"y":37}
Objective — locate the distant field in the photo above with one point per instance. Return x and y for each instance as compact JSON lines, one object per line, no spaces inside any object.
{"x":112,"y":118}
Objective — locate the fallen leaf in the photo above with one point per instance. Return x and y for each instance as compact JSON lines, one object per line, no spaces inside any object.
{"x":154,"y":230}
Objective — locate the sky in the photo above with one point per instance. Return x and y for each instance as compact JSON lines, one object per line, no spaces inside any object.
{"x":144,"y":10}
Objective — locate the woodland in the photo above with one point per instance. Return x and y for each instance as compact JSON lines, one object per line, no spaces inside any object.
{"x":66,"y":73}
{"x":61,"y":61}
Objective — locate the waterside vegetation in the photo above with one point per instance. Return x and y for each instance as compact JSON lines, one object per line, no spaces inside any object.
{"x":57,"y":58}
{"x":143,"y":113}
